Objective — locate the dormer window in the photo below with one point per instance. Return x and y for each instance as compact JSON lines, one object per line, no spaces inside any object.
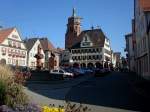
{"x":86,"y":42}
{"x":9,"y":42}
{"x":15,"y":36}
{"x":85,"y":39}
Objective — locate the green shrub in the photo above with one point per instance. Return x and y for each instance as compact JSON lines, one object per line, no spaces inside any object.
{"x":2,"y":92}
{"x":11,"y":93}
{"x":15,"y":95}
{"x":6,"y":74}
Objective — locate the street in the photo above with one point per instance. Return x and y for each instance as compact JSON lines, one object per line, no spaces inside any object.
{"x":113,"y":92}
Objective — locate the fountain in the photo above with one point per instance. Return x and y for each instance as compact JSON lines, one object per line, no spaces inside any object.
{"x":39,"y":56}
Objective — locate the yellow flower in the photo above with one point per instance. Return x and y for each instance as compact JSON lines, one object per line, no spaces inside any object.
{"x":52,"y":109}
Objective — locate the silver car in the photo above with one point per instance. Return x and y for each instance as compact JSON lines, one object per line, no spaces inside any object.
{"x":61,"y":73}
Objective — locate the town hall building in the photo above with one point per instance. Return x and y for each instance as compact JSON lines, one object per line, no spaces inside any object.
{"x":88,"y":48}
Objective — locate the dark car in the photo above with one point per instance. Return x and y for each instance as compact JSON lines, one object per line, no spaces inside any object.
{"x":99,"y":72}
{"x":102,"y":71}
{"x":88,"y":71}
{"x":77,"y":72}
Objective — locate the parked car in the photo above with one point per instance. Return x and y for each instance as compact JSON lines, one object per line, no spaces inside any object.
{"x":76,"y":71}
{"x":61,"y":73}
{"x":79,"y":71}
{"x":107,"y":70}
{"x":70,"y":70}
{"x":102,"y":71}
{"x":88,"y":71}
{"x":98,"y":70}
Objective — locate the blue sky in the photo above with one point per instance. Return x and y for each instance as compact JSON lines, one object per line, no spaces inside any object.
{"x":49,"y":18}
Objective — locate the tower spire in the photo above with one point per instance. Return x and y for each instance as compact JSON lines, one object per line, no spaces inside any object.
{"x":74,"y":12}
{"x":73,"y":29}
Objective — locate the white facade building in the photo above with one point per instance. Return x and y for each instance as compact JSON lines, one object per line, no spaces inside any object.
{"x":65,"y":58}
{"x":12,"y":49}
{"x":88,"y":48}
{"x":32,"y":46}
{"x":113,"y":59}
{"x":93,"y":49}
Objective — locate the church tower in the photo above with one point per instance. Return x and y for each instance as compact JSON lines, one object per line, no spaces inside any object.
{"x":73,"y":30}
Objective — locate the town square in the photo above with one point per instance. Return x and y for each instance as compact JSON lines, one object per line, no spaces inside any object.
{"x":74,"y":56}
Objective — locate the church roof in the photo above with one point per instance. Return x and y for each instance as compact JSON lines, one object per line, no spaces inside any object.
{"x":96,"y":36}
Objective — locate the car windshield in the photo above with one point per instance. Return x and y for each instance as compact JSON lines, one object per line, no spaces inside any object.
{"x":61,"y":71}
{"x":55,"y":70}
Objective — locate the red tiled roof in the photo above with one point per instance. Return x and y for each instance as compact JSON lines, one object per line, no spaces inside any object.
{"x":145,"y":4}
{"x":59,"y":50}
{"x":46,"y":44}
{"x":96,"y":36}
{"x":4,"y":33}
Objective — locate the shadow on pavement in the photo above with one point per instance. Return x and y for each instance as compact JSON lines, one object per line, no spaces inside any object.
{"x":113,"y":91}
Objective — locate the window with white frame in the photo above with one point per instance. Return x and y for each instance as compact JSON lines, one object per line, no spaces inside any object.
{"x":14,"y":44}
{"x":9,"y":60}
{"x":10,"y":42}
{"x":19,"y":45}
{"x":3,"y":51}
{"x":23,"y":62}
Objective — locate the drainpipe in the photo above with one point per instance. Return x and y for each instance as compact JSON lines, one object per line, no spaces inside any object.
{"x":148,"y":38}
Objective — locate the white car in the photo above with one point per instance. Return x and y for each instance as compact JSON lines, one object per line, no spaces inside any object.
{"x":62,"y":73}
